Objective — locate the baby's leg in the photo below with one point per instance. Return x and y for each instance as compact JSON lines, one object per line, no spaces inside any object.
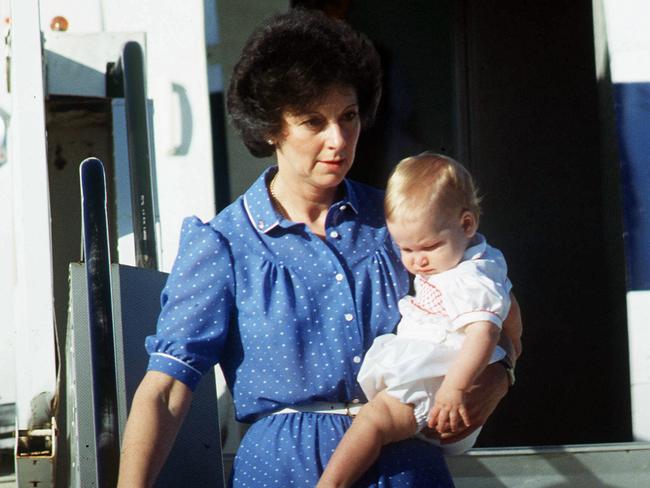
{"x":382,"y":421}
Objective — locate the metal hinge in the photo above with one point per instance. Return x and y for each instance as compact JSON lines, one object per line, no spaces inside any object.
{"x":36,"y":451}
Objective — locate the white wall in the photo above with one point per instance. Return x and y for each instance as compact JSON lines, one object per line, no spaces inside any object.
{"x":628,"y":43}
{"x":7,"y":266}
{"x":177,"y":83}
{"x":628,"y":39}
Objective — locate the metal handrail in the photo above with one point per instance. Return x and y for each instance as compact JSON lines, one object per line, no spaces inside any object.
{"x":100,"y":320}
{"x":127,"y":78}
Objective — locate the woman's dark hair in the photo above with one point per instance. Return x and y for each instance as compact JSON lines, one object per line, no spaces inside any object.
{"x":288,"y":64}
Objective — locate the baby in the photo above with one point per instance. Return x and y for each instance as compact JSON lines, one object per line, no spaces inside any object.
{"x":449,"y":330}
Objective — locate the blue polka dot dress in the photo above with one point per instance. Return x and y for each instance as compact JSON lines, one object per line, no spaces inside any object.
{"x":288,"y":316}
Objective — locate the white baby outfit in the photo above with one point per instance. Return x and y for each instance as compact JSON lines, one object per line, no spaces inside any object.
{"x":411,"y":365}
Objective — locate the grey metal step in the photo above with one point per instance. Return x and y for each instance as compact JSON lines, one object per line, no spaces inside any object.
{"x":624,"y":465}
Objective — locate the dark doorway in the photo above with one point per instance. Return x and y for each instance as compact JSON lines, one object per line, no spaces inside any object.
{"x":510,"y":88}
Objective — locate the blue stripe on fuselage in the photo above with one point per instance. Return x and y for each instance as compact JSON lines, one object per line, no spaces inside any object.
{"x":633,"y":127}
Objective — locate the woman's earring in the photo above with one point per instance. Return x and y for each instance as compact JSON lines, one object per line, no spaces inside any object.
{"x":269,"y":142}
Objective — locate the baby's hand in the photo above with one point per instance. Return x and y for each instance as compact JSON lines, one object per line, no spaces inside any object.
{"x":449,"y":410}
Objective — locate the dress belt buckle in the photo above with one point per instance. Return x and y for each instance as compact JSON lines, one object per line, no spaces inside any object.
{"x":348,"y":410}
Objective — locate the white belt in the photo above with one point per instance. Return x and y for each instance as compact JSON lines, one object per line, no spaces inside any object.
{"x":349,"y":409}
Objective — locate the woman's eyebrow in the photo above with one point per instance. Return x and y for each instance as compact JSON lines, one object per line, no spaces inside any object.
{"x":307,"y":114}
{"x":314,"y":112}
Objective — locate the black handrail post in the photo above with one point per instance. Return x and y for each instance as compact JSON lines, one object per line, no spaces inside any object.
{"x":127,"y":78}
{"x":100,"y":320}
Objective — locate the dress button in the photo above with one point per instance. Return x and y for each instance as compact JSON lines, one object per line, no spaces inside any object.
{"x":343,"y":207}
{"x":339,"y":277}
{"x":260,"y":224}
{"x":349,"y":317}
{"x":356,"y":359}
{"x":355,"y":400}
{"x":334,"y":234}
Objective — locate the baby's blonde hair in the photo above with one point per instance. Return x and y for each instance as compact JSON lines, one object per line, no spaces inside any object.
{"x":423,"y":184}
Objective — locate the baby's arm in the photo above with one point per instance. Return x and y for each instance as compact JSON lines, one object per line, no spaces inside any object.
{"x":479,"y":343}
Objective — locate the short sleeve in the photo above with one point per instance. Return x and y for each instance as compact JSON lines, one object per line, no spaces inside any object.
{"x":197,"y":304}
{"x":473,"y":296}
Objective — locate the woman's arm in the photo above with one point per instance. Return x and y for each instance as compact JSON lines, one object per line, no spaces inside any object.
{"x":513,"y":328}
{"x":159,"y":407}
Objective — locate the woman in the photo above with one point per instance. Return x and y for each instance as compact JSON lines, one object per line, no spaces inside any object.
{"x":288,"y":286}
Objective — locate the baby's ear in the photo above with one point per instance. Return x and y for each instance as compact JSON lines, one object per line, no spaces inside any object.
{"x":469,"y":222}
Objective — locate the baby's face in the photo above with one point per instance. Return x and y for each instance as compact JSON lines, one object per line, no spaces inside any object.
{"x":428,"y":248}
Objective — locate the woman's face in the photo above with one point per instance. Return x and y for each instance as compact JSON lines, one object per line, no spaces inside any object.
{"x":317,"y":147}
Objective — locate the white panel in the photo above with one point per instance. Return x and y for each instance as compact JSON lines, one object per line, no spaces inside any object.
{"x":177,"y":83}
{"x":640,"y":408}
{"x":638,"y":311}
{"x":82,"y":15}
{"x":7,"y":278}
{"x":34,"y":310}
{"x":5,"y":11}
{"x":7,"y":261}
{"x":76,"y":63}
{"x":628,"y":39}
{"x":638,"y":319}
